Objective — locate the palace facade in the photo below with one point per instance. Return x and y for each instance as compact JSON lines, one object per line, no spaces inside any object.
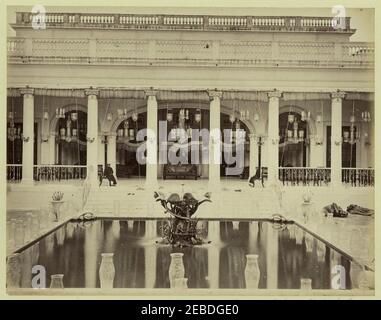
{"x":80,"y":87}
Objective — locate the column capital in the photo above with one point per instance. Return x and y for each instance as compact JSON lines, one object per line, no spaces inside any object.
{"x":150,"y":93}
{"x":91,"y":92}
{"x":274,"y":94}
{"x":215,"y":94}
{"x":27,"y":91}
{"x":338,"y":95}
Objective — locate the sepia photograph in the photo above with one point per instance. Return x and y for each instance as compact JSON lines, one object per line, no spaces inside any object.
{"x":190,"y":151}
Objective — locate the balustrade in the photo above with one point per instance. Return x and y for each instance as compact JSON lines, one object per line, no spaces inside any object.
{"x":303,"y":176}
{"x":358,"y":177}
{"x":14,"y":172}
{"x":184,"y":21}
{"x":59,"y":172}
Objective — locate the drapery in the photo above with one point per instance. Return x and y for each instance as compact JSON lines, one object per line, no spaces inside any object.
{"x":170,"y":95}
{"x":294,"y":96}
{"x":245,"y":95}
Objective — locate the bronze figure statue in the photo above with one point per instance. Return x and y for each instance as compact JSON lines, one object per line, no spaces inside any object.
{"x":181,"y":229}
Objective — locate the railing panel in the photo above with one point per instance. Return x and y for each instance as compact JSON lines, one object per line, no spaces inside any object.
{"x":358,"y":177}
{"x":50,"y":173}
{"x":183,"y":50}
{"x":305,"y":176}
{"x":245,"y":50}
{"x":122,"y":48}
{"x":302,"y":50}
{"x":14,"y":172}
{"x":357,"y":52}
{"x":60,"y":47}
{"x":16,"y":46}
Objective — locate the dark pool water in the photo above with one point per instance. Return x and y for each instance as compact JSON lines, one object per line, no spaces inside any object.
{"x":286,"y":254}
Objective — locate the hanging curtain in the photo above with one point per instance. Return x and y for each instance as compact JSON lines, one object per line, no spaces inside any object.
{"x":169,"y":95}
{"x":364,"y":96}
{"x":295,"y":96}
{"x":13,"y":92}
{"x":66,"y":93}
{"x":245,"y":95}
{"x":121,"y":94}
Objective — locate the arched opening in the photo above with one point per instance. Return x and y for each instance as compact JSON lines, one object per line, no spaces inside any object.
{"x":293,"y":143}
{"x":189,"y":119}
{"x":230,"y":126}
{"x":127,"y":165}
{"x":71,"y":145}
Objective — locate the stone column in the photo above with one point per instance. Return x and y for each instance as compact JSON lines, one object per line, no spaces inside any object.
{"x":28,"y":135}
{"x":215,"y":138}
{"x":111,"y":152}
{"x":253,"y":154}
{"x":151,"y":171}
{"x":92,"y":135}
{"x":336,"y":137}
{"x":273,"y":136}
{"x":52,"y":148}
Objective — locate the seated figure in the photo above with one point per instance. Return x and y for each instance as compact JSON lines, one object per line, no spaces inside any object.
{"x":109,"y":174}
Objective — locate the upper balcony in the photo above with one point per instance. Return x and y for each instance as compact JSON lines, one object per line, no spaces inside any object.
{"x":184,"y":22}
{"x":229,"y":53}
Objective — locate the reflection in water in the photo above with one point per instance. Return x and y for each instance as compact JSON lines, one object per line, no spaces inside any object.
{"x":286,"y":254}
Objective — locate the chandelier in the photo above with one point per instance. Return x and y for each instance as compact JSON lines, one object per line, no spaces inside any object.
{"x":12,"y":131}
{"x":60,"y":113}
{"x":169,"y":115}
{"x":67,"y":133}
{"x":352,"y":136}
{"x":122,"y":114}
{"x":126,"y":133}
{"x":296,"y":134}
{"x":305,"y":116}
{"x":197,"y":116}
{"x":366,"y":116}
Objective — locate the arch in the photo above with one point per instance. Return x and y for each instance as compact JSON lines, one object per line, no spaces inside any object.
{"x":117,"y":122}
{"x":248,"y":123}
{"x":68,"y":107}
{"x":310,"y":124}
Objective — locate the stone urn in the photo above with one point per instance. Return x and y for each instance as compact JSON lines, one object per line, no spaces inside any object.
{"x":56,"y":205}
{"x":107,"y":271}
{"x":307,"y":197}
{"x":176,"y":269}
{"x":252,"y":271}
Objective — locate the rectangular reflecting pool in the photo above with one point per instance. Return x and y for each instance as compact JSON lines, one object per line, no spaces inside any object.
{"x":286,"y":256}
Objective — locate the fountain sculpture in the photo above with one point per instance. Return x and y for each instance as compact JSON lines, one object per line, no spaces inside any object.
{"x":181,"y":230}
